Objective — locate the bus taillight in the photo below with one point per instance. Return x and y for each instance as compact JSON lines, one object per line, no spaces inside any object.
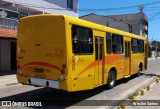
{"x":63,"y":69}
{"x":20,"y":56}
{"x":63,"y":66}
{"x":61,"y":77}
{"x":19,"y":72}
{"x":62,"y":72}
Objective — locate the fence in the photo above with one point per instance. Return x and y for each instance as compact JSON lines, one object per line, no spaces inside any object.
{"x":8,"y":23}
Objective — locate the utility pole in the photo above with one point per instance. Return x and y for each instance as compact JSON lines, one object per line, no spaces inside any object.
{"x":156,"y":49}
{"x":141,"y":7}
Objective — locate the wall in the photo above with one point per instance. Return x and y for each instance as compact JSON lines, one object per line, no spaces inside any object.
{"x":63,"y":4}
{"x":106,"y":21}
{"x":47,"y":6}
{"x":155,"y":54}
{"x":135,"y":20}
{"x":5,"y":54}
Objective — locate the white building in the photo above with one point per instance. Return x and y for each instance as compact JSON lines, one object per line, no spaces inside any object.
{"x":68,"y":7}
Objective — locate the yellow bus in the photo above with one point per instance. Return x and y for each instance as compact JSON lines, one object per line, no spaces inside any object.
{"x":63,"y":52}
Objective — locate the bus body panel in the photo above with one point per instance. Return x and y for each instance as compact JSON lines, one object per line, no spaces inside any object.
{"x":82,"y":72}
{"x":115,"y":61}
{"x":45,"y":53}
{"x":41,"y":48}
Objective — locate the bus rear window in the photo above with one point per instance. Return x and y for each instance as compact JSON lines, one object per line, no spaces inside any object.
{"x":82,"y":40}
{"x":141,"y":46}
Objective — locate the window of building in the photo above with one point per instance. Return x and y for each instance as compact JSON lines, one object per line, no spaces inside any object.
{"x":141,"y":46}
{"x":10,"y":14}
{"x":134,"y":45}
{"x":82,"y":40}
{"x":22,"y":14}
{"x":117,"y":44}
{"x":70,"y":4}
{"x":108,"y":43}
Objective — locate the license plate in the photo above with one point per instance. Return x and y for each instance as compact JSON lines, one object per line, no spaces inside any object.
{"x":40,"y":76}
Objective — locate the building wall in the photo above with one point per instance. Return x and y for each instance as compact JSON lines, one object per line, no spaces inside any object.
{"x":63,"y":3}
{"x":137,"y":21}
{"x":134,"y":23}
{"x":95,"y":18}
{"x":5,"y":55}
{"x":46,"y":6}
{"x":106,"y":21}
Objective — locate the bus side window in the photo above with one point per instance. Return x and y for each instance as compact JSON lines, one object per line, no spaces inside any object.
{"x":140,"y":46}
{"x":117,"y":44}
{"x":134,"y":45}
{"x":82,"y":40}
{"x":75,"y":42}
{"x":108,"y":43}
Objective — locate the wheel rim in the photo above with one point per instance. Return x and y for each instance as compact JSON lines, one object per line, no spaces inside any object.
{"x":111,"y":80}
{"x":139,"y":72}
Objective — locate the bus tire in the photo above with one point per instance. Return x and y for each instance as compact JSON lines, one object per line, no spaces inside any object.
{"x":139,"y":70}
{"x":111,"y":79}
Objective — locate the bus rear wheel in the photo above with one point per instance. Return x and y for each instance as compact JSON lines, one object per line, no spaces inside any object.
{"x":111,"y":79}
{"x":139,"y":72}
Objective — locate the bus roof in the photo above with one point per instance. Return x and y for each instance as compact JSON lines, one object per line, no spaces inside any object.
{"x":99,"y":27}
{"x":84,"y":23}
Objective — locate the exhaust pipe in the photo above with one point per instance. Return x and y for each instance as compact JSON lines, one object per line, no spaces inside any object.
{"x":29,"y":81}
{"x":47,"y":83}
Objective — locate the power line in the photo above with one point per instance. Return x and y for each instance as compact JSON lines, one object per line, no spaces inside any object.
{"x":102,"y":9}
{"x":120,"y":8}
{"x":154,"y":16}
{"x":155,"y":19}
{"x":151,"y":3}
{"x":152,"y":7}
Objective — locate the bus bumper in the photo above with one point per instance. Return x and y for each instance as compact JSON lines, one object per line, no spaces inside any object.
{"x":43,"y":83}
{"x":63,"y":85}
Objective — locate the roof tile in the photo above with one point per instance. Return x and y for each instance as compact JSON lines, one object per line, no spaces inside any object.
{"x":4,"y":33}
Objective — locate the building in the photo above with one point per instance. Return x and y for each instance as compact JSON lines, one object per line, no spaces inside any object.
{"x":106,"y":21}
{"x":136,"y":23}
{"x":7,"y":49}
{"x":12,"y":10}
{"x":31,"y":7}
{"x":154,"y":49}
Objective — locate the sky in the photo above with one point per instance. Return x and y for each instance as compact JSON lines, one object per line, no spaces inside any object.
{"x":105,"y":7}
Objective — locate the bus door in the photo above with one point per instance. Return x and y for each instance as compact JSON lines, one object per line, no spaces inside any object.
{"x":127,"y":63}
{"x":99,"y":60}
{"x":146,"y":56}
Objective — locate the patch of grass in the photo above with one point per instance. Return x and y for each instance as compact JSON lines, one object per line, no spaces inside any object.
{"x":118,"y":107}
{"x":134,"y":94}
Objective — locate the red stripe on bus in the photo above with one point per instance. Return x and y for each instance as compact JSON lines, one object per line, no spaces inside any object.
{"x":112,"y":58}
{"x":91,"y":65}
{"x":43,"y":64}
{"x":108,"y":60}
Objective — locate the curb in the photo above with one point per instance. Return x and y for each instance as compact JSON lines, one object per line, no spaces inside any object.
{"x":141,"y":92}
{"x":12,"y":84}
